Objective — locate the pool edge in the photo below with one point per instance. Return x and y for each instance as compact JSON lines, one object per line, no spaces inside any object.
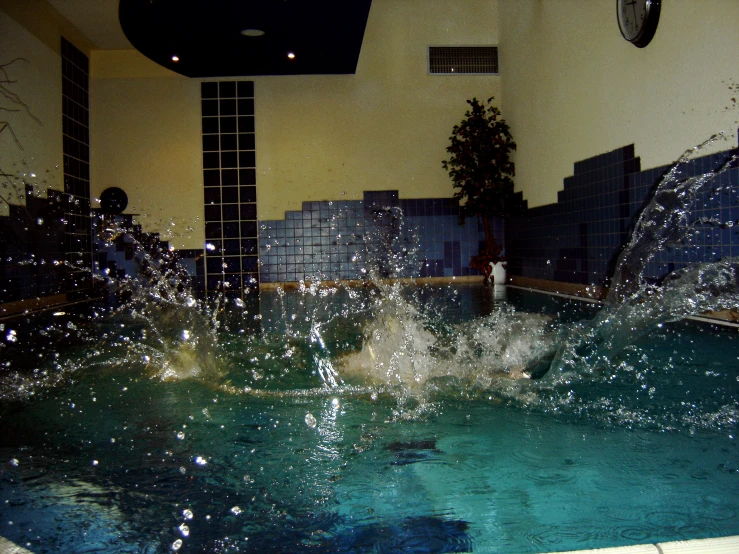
{"x":8,"y":547}
{"x":719,"y":545}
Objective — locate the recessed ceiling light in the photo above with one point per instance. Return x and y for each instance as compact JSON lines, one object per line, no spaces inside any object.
{"x":252,"y":32}
{"x":175,"y":59}
{"x":291,"y":55}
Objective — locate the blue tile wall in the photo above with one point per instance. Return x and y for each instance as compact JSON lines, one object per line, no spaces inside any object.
{"x":76,"y":151}
{"x":32,"y":247}
{"x":33,"y":254}
{"x":578,"y":239}
{"x":342,"y":239}
{"x":126,"y":254}
{"x":229,"y":187}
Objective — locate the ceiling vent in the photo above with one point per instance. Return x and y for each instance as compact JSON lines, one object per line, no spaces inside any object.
{"x":463,"y":60}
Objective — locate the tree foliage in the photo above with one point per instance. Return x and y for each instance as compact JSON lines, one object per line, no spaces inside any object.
{"x":479,"y":163}
{"x":481,"y":169}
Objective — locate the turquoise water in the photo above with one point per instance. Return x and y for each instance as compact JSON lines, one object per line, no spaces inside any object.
{"x":111,"y":446}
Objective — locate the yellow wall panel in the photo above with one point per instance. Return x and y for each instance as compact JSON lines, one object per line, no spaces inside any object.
{"x":575,"y":88}
{"x":145,"y":139}
{"x":40,"y":151}
{"x":318,"y":137}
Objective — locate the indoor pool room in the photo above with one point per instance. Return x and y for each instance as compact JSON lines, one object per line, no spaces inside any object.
{"x":380,"y":276}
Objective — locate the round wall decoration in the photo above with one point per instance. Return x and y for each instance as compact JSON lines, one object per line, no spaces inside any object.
{"x":113,"y":200}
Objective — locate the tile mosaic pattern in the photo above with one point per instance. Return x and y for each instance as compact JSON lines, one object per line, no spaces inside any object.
{"x":40,"y":235}
{"x":76,"y":150}
{"x":344,"y":239}
{"x":33,"y":242}
{"x":230,"y":192}
{"x":129,"y":251}
{"x":578,"y":239}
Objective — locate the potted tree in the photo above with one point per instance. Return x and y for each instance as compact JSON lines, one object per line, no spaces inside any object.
{"x":481,"y":169}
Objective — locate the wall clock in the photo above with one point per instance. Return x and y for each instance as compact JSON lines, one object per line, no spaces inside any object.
{"x":637,"y":20}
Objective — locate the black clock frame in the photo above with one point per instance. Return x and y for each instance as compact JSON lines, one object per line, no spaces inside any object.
{"x":650,"y":25}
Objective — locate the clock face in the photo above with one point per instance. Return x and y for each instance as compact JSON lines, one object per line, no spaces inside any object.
{"x":637,"y":20}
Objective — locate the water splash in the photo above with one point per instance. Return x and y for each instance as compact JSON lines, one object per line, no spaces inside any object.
{"x":174,"y":333}
{"x":307,"y":409}
{"x":664,"y":221}
{"x":386,"y":334}
{"x":634,"y":306}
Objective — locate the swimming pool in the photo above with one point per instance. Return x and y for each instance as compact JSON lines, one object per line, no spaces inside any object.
{"x":277,"y":435}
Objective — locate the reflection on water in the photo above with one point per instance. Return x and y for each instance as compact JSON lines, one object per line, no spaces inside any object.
{"x":381,"y":418}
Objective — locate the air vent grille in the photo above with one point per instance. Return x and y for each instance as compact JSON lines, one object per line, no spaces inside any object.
{"x":463,"y":60}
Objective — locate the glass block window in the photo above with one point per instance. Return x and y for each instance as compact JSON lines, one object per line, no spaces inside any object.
{"x":76,"y":150}
{"x":463,"y":60}
{"x":230,"y":186}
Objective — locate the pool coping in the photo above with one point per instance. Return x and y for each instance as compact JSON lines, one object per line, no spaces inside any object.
{"x":586,"y":293}
{"x":720,"y":545}
{"x":724,"y":318}
{"x":8,"y":547}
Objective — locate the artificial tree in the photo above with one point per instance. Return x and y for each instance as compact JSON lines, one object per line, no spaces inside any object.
{"x":480,"y":167}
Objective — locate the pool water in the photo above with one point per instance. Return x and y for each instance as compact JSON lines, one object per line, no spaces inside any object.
{"x":101,"y":452}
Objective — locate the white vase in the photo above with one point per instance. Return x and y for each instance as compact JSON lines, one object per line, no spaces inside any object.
{"x":499,"y":273}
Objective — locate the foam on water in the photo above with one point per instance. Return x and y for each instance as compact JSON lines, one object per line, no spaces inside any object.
{"x":385,"y":417}
{"x":397,"y":343}
{"x":634,"y":306}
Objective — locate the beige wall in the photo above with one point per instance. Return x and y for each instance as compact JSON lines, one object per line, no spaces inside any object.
{"x":39,"y":156}
{"x":318,"y":137}
{"x":575,"y":88}
{"x":387,"y":126}
{"x":145,"y":139}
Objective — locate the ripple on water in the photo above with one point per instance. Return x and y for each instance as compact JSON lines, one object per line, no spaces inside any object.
{"x":668,"y":519}
{"x":712,"y":507}
{"x":553,"y":477}
{"x":551,"y":536}
{"x":636,"y":535}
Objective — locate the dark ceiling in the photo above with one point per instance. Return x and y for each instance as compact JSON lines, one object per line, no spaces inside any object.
{"x":206,"y":35}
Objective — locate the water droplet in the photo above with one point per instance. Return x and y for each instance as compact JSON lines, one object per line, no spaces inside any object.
{"x":184,"y":530}
{"x":235,"y":510}
{"x":310,"y":420}
{"x":200,"y":461}
{"x":187,"y":513}
{"x":180,"y":435}
{"x":176,"y":545}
